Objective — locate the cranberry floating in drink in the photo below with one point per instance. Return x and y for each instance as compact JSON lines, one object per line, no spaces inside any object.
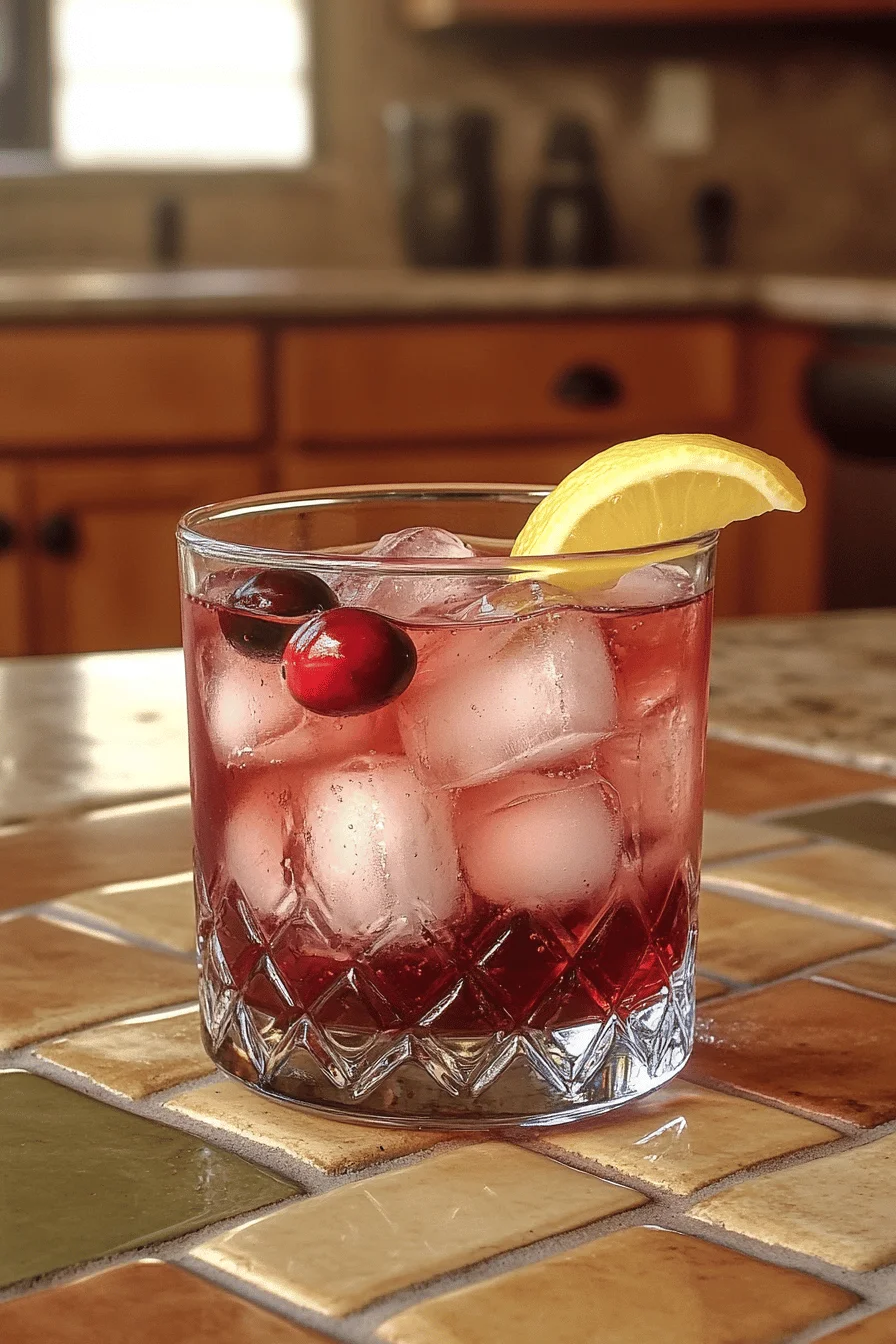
{"x":448,"y":798}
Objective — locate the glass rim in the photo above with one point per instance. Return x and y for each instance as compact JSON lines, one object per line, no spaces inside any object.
{"x":246,"y":554}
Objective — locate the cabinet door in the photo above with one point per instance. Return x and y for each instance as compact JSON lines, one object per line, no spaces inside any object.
{"x":106,"y":562}
{"x":441,"y":13}
{"x":13,"y":630}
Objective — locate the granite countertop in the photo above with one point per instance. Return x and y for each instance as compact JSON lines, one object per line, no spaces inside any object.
{"x":753,"y":1198}
{"x":329,"y":292}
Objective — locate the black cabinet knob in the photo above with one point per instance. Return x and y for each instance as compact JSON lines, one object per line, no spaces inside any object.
{"x":59,"y":535}
{"x":7,"y":534}
{"x":588,"y":386}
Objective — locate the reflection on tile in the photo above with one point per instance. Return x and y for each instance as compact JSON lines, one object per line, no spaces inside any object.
{"x":870,"y":822}
{"x":341,"y":1250}
{"x":732,"y":837}
{"x":877,"y":1329}
{"x":81,"y":1179}
{"x":842,"y":878}
{"x":840,"y":1208}
{"x":813,"y":1046}
{"x":875,"y":971}
{"x":746,"y":941}
{"x":54,"y":978}
{"x":161,"y":910}
{"x":641,"y":1286}
{"x":682,"y":1138}
{"x":138,"y":1056}
{"x":327,"y":1144}
{"x":749,"y":779}
{"x":46,"y":860}
{"x":707,"y":988}
{"x":158,"y":1301}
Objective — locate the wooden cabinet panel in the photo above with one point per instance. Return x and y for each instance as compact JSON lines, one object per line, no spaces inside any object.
{"x":106,"y":386}
{"x":487,"y":380}
{"x":13,"y":597}
{"x":440,"y":13}
{"x":118,"y":589}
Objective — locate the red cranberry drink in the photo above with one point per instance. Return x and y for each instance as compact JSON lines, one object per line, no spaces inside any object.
{"x":448,"y":816}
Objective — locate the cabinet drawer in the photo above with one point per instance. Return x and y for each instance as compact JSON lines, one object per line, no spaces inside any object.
{"x":129,"y":385}
{"x":381,"y":382}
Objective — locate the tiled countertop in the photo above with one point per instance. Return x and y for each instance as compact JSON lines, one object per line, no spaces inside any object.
{"x":752,"y":1201}
{"x":321,"y":292}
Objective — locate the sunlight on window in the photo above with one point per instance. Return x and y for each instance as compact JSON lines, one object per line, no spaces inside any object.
{"x":181,"y":83}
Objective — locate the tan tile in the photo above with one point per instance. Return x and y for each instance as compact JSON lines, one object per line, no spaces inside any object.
{"x":877,"y":1329}
{"x":743,"y":779}
{"x":54,"y":978}
{"x":840,"y":1208}
{"x":45,"y":860}
{"x":875,"y":971}
{"x":158,"y":1301}
{"x":138,"y":1056}
{"x":707,"y":988}
{"x":682,"y":1138}
{"x":844,"y":879}
{"x":747,"y":941}
{"x":162,"y":910}
{"x":732,"y":837}
{"x":868,"y":821}
{"x":327,"y":1144}
{"x":341,"y":1250}
{"x":641,"y":1286}
{"x":813,"y":1046}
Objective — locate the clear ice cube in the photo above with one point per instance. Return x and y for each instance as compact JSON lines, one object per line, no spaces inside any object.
{"x":520,"y":598}
{"x":263,"y":841}
{"x":508,"y":697}
{"x":533,"y":842}
{"x":649,"y":586}
{"x":379,"y":850}
{"x":417,"y":595}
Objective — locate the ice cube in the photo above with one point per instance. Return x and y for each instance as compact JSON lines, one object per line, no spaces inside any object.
{"x":263,"y":842}
{"x":379,"y":850}
{"x":496,"y":699}
{"x":521,"y":598}
{"x":649,"y":586}
{"x":416,"y":595}
{"x":539,"y":843}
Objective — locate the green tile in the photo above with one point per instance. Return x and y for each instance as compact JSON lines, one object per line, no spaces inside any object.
{"x":871,"y":823}
{"x":80,"y":1179}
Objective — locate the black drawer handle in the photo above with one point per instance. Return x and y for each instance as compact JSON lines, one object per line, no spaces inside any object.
{"x":8,"y":537}
{"x":588,"y":386}
{"x":59,"y":535}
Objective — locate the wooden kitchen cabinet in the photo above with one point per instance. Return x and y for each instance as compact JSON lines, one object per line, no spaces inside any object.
{"x":442,"y":13}
{"x":105,"y":560}
{"x":13,"y":532}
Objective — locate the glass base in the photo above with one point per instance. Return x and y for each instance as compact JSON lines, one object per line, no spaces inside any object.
{"x":420,"y":1079}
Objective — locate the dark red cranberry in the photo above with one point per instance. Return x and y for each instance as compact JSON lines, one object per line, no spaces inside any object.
{"x":280,"y":598}
{"x":348,"y":661}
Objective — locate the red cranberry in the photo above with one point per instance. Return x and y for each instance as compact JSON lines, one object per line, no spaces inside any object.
{"x":348,"y":661}
{"x":280,"y":597}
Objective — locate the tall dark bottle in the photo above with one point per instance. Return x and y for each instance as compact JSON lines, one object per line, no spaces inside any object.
{"x":569,"y":221}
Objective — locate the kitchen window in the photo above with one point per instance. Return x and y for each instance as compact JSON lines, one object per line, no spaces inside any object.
{"x":160,"y":84}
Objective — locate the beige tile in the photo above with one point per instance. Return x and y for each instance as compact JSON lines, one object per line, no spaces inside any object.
{"x":54,"y":978}
{"x":741,"y":779}
{"x":46,"y":860}
{"x":746,"y":941}
{"x":816,"y":1047}
{"x":162,"y":910}
{"x":877,"y":1329}
{"x":731,"y":837}
{"x":138,"y":1056}
{"x":841,"y":878}
{"x":707,"y":988}
{"x":641,"y":1286}
{"x":341,"y":1250}
{"x":840,"y":1208}
{"x":875,"y":971}
{"x":327,"y":1144}
{"x":682,"y":1138}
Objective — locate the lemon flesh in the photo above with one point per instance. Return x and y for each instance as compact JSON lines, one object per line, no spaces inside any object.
{"x":657,"y":490}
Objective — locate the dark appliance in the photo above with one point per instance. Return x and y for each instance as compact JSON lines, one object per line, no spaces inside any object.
{"x":441,"y":162}
{"x":569,"y":221}
{"x":851,"y":399}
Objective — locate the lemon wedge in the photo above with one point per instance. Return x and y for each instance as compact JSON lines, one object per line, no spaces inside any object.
{"x":657,"y":490}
